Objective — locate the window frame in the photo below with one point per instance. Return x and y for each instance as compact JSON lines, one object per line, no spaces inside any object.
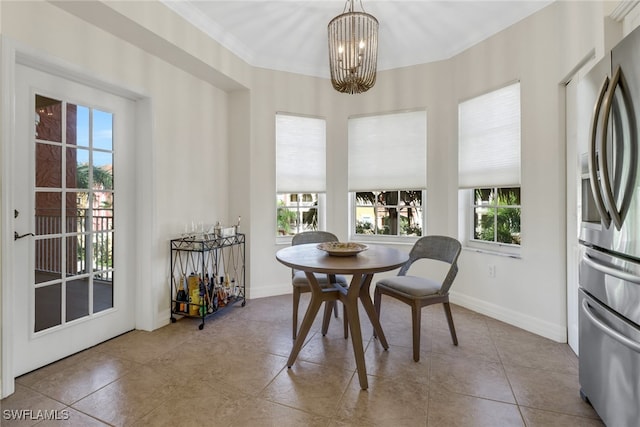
{"x":467,"y":205}
{"x":496,"y":205}
{"x":286,"y":238}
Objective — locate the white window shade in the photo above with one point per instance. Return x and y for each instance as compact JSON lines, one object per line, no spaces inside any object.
{"x":388,"y":152}
{"x":489,"y":139}
{"x":300,"y":154}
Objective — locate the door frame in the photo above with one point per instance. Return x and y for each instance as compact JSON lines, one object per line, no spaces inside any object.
{"x":572,"y":173}
{"x":12,"y":53}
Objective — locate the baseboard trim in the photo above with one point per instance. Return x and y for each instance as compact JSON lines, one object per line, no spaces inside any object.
{"x":269,"y":291}
{"x":534,"y":325}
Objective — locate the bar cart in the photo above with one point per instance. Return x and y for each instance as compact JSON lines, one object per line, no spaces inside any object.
{"x":207,"y":274}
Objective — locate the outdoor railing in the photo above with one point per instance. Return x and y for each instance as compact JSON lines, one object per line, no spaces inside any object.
{"x":48,"y":251}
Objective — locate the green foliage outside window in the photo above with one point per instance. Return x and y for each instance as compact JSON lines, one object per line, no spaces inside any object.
{"x":102,"y":177}
{"x":286,"y":219}
{"x":497,"y":215}
{"x":296,"y":213}
{"x":389,"y":212}
{"x":364,"y":227}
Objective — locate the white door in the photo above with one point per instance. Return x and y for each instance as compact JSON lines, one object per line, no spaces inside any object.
{"x":74,"y":205}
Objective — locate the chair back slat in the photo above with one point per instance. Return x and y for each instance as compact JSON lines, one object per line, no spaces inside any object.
{"x":439,"y":248}
{"x":313,"y":237}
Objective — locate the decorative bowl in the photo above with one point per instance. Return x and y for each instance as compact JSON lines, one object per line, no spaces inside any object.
{"x":342,"y":248}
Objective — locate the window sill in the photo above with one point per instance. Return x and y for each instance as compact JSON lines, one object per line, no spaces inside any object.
{"x":493,"y":251}
{"x":383,"y":240}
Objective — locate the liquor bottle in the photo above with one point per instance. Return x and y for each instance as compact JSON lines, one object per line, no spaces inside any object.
{"x":214,"y":297}
{"x":193,"y":283}
{"x":195,"y":302}
{"x":181,"y":298}
{"x":235,"y":287}
{"x":207,"y":294}
{"x":221,"y":297}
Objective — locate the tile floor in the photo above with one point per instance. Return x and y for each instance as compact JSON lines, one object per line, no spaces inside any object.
{"x":233,"y":373}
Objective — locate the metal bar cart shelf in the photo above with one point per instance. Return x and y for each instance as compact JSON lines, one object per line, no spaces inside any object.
{"x":207,"y":274}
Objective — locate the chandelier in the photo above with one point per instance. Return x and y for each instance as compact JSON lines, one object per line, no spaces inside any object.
{"x":353,"y":50}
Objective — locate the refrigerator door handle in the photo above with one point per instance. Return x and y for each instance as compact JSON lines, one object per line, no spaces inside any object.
{"x":619,"y":274}
{"x":618,"y":215}
{"x":593,"y":157}
{"x":607,"y":330}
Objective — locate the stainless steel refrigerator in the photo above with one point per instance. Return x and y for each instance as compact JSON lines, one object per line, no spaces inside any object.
{"x":609,"y":273}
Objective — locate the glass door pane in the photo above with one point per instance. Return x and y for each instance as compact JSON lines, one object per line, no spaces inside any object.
{"x":73,"y":212}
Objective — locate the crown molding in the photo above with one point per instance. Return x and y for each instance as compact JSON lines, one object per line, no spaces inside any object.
{"x":622,"y":10}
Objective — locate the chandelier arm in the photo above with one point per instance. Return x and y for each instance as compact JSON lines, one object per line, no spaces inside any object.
{"x":348,"y":3}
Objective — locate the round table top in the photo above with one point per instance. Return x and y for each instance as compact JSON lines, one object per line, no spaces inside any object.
{"x":309,"y":258}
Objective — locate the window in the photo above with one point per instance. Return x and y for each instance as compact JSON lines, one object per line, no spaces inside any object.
{"x":489,"y":167}
{"x":388,"y":174}
{"x":300,"y":173}
{"x":496,"y":215}
{"x":397,"y":213}
{"x":297,"y":213}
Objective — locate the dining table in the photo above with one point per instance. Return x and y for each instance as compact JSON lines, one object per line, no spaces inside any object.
{"x":361,"y":266}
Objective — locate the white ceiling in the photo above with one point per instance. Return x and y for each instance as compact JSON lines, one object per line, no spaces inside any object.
{"x":292,"y":35}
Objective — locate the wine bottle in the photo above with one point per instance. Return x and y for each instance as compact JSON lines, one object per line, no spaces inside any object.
{"x":214,"y":297}
{"x":181,"y":298}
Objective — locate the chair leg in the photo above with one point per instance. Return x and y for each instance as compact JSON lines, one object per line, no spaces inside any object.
{"x":335,"y":310}
{"x":452,"y":329}
{"x":377,"y":298}
{"x":374,"y":318}
{"x":345,"y":322}
{"x":328,"y":308}
{"x":416,"y":318}
{"x":296,"y":303}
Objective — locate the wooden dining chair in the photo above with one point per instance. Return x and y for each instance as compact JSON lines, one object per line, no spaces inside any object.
{"x":419,"y":292}
{"x":301,"y":283}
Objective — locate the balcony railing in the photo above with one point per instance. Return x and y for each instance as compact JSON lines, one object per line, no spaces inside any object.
{"x":98,"y":229}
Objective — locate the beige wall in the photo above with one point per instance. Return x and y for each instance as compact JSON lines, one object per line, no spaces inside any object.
{"x":212,"y":154}
{"x":541,"y":53}
{"x":187,"y":161}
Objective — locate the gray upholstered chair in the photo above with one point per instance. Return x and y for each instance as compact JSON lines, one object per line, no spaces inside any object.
{"x":419,"y":292}
{"x":301,"y":283}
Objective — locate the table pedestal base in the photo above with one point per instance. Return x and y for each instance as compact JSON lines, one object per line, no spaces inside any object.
{"x":357,"y":290}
